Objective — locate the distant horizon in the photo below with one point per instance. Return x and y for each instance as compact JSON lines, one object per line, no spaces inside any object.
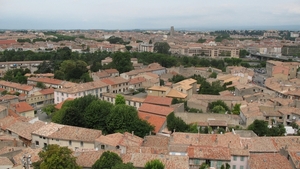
{"x":150,"y":15}
{"x":278,"y":28}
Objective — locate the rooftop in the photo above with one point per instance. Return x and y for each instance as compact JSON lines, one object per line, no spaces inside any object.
{"x":155,"y":109}
{"x":163,"y":101}
{"x":268,"y":160}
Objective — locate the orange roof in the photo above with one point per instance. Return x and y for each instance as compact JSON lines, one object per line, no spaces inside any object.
{"x":23,"y":107}
{"x":46,"y":80}
{"x":269,"y":160}
{"x":137,"y":80}
{"x":7,"y":42}
{"x":47,"y":91}
{"x":155,"y":120}
{"x":163,"y":101}
{"x":59,"y":105}
{"x":114,"y":80}
{"x":16,"y":85}
{"x":155,"y":109}
{"x":109,"y":71}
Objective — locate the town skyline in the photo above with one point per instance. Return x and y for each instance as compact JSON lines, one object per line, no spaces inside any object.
{"x":112,"y":15}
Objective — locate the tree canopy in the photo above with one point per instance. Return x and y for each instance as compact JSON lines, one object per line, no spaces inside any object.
{"x":120,"y":99}
{"x":154,"y":164}
{"x":54,"y":156}
{"x":90,"y":112}
{"x":107,"y":161}
{"x":261,"y":128}
{"x":121,"y":61}
{"x":161,"y":47}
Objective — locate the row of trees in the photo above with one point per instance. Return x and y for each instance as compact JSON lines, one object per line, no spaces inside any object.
{"x":90,"y":112}
{"x":16,"y":75}
{"x":261,"y":128}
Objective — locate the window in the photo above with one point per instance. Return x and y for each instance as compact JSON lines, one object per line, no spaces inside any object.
{"x":57,"y":99}
{"x":241,"y":167}
{"x":234,"y":158}
{"x":242,"y":158}
{"x":70,"y":143}
{"x":57,"y":139}
{"x":41,"y":137}
{"x":62,"y":94}
{"x":37,"y":143}
{"x":81,"y":143}
{"x":67,"y":95}
{"x":45,"y":144}
{"x":102,"y":146}
{"x":233,"y":167}
{"x":219,"y":164}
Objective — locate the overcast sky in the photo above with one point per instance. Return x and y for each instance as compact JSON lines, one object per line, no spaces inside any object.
{"x":142,"y":14}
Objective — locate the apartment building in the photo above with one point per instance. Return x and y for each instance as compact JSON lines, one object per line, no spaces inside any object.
{"x":70,"y":136}
{"x":80,"y":90}
{"x":129,"y":100}
{"x":116,"y":84}
{"x":16,"y":87}
{"x":282,"y":70}
{"x":49,"y":82}
{"x":41,"y":98}
{"x":22,"y":109}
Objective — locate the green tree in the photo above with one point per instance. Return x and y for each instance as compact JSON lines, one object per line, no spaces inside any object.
{"x":204,"y":166}
{"x":236,"y":109}
{"x":54,"y":156}
{"x":176,"y":123}
{"x":161,"y":82}
{"x":260,"y":127}
{"x":213,"y":75}
{"x":201,"y":40}
{"x":219,"y":109}
{"x":161,"y":47}
{"x":218,"y":103}
{"x":123,"y":166}
{"x":107,"y":161}
{"x":120,"y":99}
{"x":154,"y":164}
{"x":128,"y":48}
{"x":41,"y":85}
{"x":243,"y":53}
{"x":49,"y":109}
{"x":121,"y":61}
{"x":96,"y":113}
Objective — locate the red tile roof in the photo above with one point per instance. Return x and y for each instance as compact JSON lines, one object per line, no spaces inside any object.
{"x":163,"y":101}
{"x":155,"y":120}
{"x":46,"y":80}
{"x":114,"y":80}
{"x":16,"y":85}
{"x":211,"y":153}
{"x":22,"y":107}
{"x":155,"y":109}
{"x":47,"y":91}
{"x":137,"y":80}
{"x":8,"y":42}
{"x":268,"y":160}
{"x":110,"y":71}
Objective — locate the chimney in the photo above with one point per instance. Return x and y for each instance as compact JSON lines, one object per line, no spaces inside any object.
{"x":132,"y":133}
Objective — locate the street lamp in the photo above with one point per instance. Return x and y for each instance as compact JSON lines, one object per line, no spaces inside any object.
{"x":26,"y":161}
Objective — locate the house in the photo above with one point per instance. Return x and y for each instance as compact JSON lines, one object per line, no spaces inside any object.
{"x":170,"y":162}
{"x":116,"y":84}
{"x":41,"y":98}
{"x":23,"y":109}
{"x":155,"y":115}
{"x":129,"y":100}
{"x":158,"y":91}
{"x":63,"y":135}
{"x":80,"y":90}
{"x":136,"y":83}
{"x":22,"y":130}
{"x":250,"y":112}
{"x":118,"y":142}
{"x":187,"y":87}
{"x":112,"y":72}
{"x":239,"y":158}
{"x":213,"y":156}
{"x":156,"y":100}
{"x":99,"y":75}
{"x":268,"y":160}
{"x":49,"y":82}
{"x":16,"y":87}
{"x":106,"y":61}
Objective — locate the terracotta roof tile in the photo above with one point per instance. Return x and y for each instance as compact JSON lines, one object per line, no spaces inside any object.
{"x":22,"y":107}
{"x":171,"y":162}
{"x":268,"y":160}
{"x":156,"y":120}
{"x":211,"y":153}
{"x":24,"y":129}
{"x":155,"y":109}
{"x":47,"y":91}
{"x":16,"y":85}
{"x":76,"y":134}
{"x":163,"y":101}
{"x":4,"y":161}
{"x":87,"y":159}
